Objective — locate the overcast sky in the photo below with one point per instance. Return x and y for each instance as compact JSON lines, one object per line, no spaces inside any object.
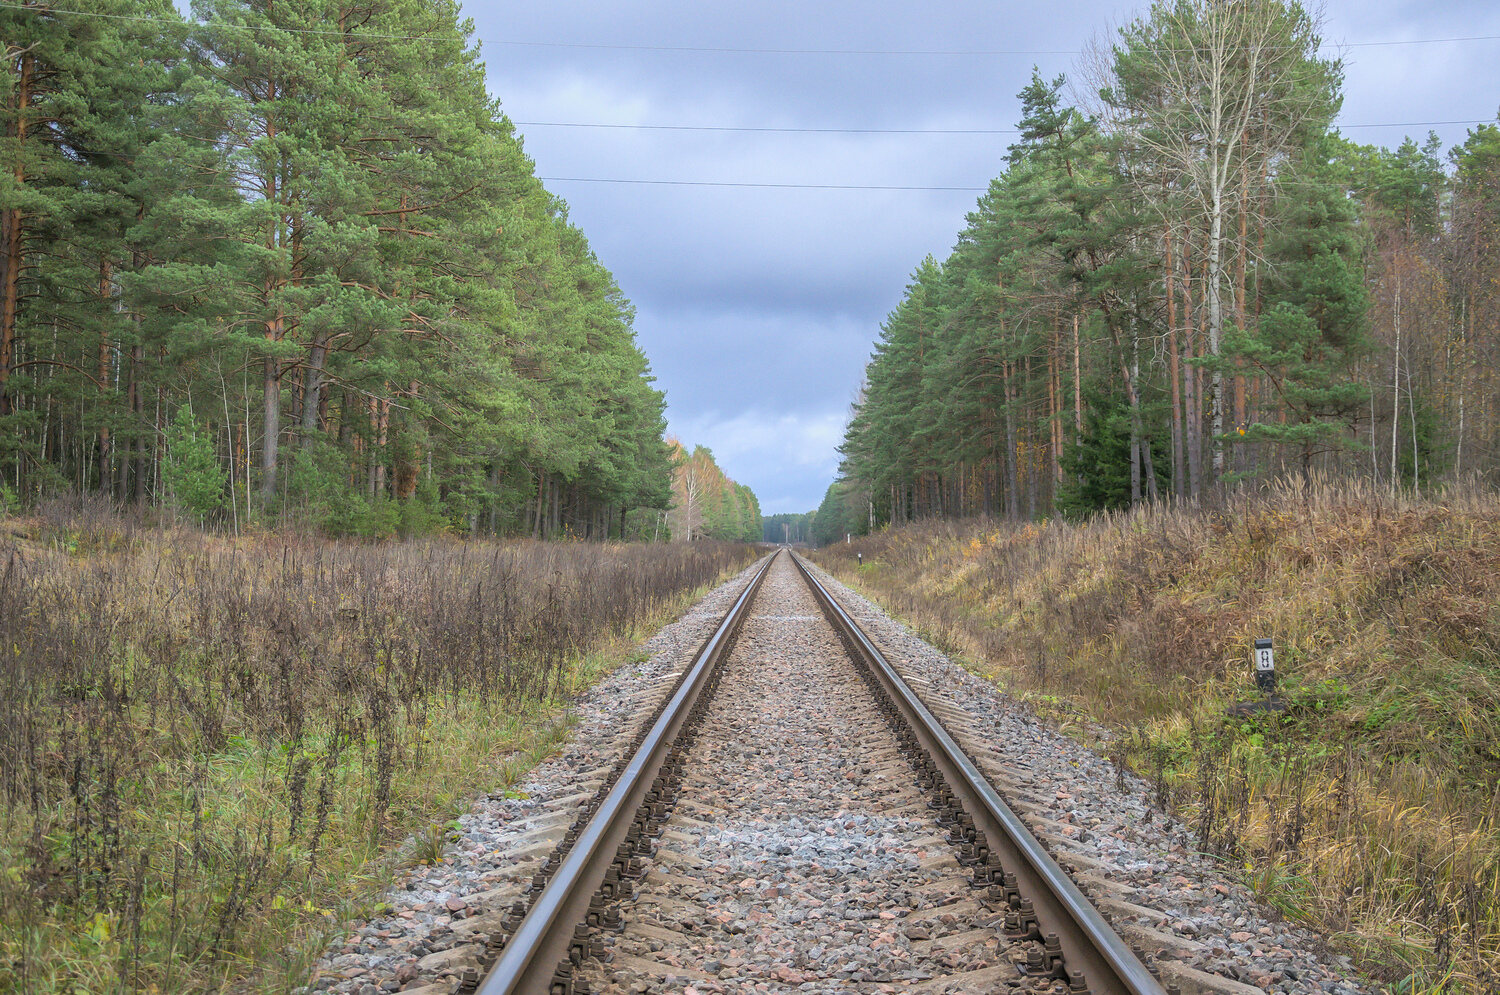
{"x":758,"y":307}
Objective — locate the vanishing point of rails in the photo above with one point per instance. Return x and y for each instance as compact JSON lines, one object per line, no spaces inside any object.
{"x":987,"y":905}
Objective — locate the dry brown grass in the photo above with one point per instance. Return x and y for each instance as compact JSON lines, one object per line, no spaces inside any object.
{"x":1369,"y":808}
{"x":205,"y":747}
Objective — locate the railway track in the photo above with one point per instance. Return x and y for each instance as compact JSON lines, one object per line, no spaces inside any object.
{"x":795,"y":816}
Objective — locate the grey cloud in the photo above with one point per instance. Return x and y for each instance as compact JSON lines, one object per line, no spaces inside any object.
{"x":759,"y":308}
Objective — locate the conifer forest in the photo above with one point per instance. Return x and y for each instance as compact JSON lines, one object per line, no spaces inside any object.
{"x":288,"y":263}
{"x":366,"y":627}
{"x":1184,"y":279}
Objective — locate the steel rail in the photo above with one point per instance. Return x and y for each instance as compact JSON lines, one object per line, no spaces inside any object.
{"x":1089,"y":945}
{"x":545,"y":935}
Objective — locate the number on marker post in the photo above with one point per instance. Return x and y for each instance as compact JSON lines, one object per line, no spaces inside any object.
{"x":1265,"y":666}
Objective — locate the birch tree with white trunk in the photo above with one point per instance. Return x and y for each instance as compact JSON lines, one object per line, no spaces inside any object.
{"x":1218,"y":91}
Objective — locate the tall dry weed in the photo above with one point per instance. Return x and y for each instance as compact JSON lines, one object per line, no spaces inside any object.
{"x":200,"y":742}
{"x":1368,"y":807}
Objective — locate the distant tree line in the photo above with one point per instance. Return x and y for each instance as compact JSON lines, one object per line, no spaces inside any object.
{"x":288,"y":261}
{"x":1188,"y":281}
{"x":846,"y":510}
{"x":706,"y":504}
{"x":787,"y":527}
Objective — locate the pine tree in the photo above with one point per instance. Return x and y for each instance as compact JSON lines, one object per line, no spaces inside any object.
{"x":325,"y":197}
{"x":1315,"y":327}
{"x":72,"y":130}
{"x":191,"y":471}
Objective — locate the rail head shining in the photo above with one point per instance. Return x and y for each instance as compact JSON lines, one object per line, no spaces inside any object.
{"x":530,"y":957}
{"x":1089,"y":944}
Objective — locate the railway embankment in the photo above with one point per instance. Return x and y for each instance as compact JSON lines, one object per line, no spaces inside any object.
{"x":802,"y":835}
{"x":1363,"y":803}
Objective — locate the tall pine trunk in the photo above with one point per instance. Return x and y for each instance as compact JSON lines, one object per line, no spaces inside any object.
{"x":271,"y":403}
{"x":1077,"y":385}
{"x":1173,"y":368}
{"x":137,"y":364}
{"x":1396,"y":373}
{"x":1214,"y":290}
{"x":1012,"y":487}
{"x":106,"y":453}
{"x":312,"y":388}
{"x":1054,"y":406}
{"x":1192,"y":404}
{"x":13,"y":236}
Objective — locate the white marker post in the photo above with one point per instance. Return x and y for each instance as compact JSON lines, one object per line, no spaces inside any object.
{"x":1265,"y":666}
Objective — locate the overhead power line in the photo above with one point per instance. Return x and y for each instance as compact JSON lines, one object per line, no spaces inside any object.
{"x":184,"y":23}
{"x":704,"y":49}
{"x":963,"y":52}
{"x":887,"y":131}
{"x":774,"y":130}
{"x":773,"y":186}
{"x":1414,"y":124}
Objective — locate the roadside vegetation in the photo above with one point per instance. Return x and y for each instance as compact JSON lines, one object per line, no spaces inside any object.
{"x":209,"y":748}
{"x":1159,"y":299}
{"x":289,"y":264}
{"x":1370,"y":807}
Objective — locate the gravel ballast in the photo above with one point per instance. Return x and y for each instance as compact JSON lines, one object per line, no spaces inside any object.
{"x":1138,"y":865}
{"x":802,"y":856}
{"x":432,"y":922}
